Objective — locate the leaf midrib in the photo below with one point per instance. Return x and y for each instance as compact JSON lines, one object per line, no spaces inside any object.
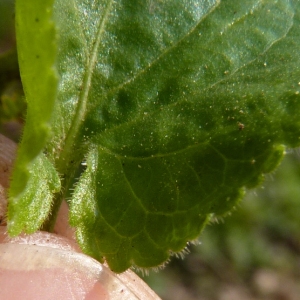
{"x":81,"y":108}
{"x":212,"y":85}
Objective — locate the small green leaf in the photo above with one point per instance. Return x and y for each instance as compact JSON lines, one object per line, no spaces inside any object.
{"x":31,"y":208}
{"x":37,"y":54}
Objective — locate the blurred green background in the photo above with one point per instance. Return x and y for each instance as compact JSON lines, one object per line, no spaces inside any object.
{"x":252,"y":254}
{"x":12,"y":105}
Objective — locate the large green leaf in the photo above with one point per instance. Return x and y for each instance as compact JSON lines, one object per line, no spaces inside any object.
{"x":189,"y":102}
{"x":174,"y":107}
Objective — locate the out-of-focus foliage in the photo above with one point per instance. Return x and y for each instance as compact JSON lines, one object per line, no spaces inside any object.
{"x":253,"y":254}
{"x":12,"y":101}
{"x":7,"y":37}
{"x":12,"y":105}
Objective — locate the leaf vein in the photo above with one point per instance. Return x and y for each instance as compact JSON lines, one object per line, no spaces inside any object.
{"x":81,"y":108}
{"x":165,"y":52}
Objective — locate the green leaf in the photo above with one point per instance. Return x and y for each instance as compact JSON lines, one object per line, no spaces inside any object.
{"x":28,"y":211}
{"x":37,"y":55}
{"x":188,"y":105}
{"x":175,"y":107}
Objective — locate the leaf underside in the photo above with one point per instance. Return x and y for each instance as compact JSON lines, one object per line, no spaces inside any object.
{"x":175,"y":107}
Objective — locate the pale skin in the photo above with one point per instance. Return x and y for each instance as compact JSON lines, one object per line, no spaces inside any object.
{"x":51,"y":266}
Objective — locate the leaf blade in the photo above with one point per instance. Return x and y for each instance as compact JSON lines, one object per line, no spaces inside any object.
{"x":29,"y":211}
{"x":193,"y":144}
{"x":39,"y":79}
{"x":152,"y":94}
